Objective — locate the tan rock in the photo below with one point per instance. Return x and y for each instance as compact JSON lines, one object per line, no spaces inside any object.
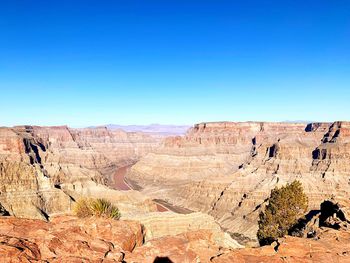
{"x":161,"y":224}
{"x":37,"y":162}
{"x":228,"y":169}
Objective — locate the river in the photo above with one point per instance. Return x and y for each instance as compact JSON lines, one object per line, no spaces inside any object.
{"x":119,"y":183}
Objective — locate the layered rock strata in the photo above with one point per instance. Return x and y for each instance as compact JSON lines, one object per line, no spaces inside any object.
{"x":159,"y":224}
{"x":228,"y":169}
{"x":40,"y":165}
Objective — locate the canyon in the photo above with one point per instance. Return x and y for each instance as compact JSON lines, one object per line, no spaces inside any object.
{"x":43,"y":169}
{"x":228,"y":169}
{"x":194,"y":197}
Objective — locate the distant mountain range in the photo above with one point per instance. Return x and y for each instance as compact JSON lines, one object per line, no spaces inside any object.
{"x":152,"y":128}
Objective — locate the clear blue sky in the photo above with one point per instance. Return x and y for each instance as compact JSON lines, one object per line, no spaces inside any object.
{"x":137,"y":62}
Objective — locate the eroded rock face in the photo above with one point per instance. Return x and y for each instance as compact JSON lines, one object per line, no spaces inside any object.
{"x":36,"y":163}
{"x":160,"y":224}
{"x":228,"y":169}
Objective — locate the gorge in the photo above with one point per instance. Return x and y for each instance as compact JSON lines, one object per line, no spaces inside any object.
{"x":194,"y":197}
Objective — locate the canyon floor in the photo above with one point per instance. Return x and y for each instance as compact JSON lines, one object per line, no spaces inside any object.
{"x":193,"y":197}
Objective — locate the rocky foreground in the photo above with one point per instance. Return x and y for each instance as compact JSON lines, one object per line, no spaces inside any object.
{"x":68,"y":239}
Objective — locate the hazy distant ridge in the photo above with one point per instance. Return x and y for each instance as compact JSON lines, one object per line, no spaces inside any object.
{"x":152,"y":128}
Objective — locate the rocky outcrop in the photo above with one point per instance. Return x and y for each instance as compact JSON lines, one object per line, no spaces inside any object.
{"x":67,"y":239}
{"x":331,"y":246}
{"x":25,"y":189}
{"x":41,"y":167}
{"x":228,"y":169}
{"x":335,"y":214}
{"x":158,"y":225}
{"x":332,"y":214}
{"x":194,"y":246}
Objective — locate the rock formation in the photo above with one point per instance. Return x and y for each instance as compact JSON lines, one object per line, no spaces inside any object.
{"x":331,"y":246}
{"x":68,"y":239}
{"x":157,"y":224}
{"x":40,"y":165}
{"x":222,"y":171}
{"x":194,"y":246}
{"x":228,"y":169}
{"x":332,"y":214}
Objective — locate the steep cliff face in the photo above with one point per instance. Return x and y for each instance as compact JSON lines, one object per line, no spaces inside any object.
{"x":228,"y":169}
{"x":36,"y":163}
{"x":72,"y":154}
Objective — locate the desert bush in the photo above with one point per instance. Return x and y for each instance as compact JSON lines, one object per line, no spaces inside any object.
{"x":96,"y":207}
{"x":104,"y":208}
{"x":82,"y":208}
{"x":286,"y":206}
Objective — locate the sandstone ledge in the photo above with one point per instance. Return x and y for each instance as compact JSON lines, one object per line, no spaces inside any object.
{"x":67,"y":239}
{"x":161,"y":224}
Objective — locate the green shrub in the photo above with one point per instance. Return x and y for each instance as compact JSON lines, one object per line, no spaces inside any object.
{"x":286,"y":206}
{"x":96,"y":207}
{"x":104,"y":208}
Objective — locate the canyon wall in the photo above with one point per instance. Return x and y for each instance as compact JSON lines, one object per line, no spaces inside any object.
{"x":223,"y":169}
{"x":42,"y":167}
{"x":228,"y":169}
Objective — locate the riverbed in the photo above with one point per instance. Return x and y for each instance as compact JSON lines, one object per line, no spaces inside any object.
{"x":119,"y":183}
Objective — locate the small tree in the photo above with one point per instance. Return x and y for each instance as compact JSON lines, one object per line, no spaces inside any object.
{"x":286,"y":205}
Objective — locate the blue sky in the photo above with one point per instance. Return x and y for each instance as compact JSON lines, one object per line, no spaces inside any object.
{"x":85,"y":63}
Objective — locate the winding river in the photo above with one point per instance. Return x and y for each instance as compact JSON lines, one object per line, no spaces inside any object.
{"x":119,"y":183}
